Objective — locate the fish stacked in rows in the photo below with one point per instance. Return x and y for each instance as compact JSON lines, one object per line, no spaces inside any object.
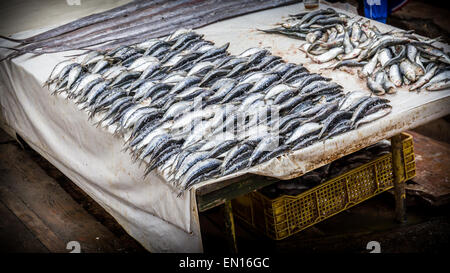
{"x":387,"y":60}
{"x":191,"y":111}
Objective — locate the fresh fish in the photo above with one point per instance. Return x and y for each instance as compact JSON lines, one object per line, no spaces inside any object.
{"x":440,"y":76}
{"x":293,"y":72}
{"x":369,"y":67}
{"x":114,"y":108}
{"x":374,"y":86}
{"x":445,"y":84}
{"x":395,"y":59}
{"x":277,"y":89}
{"x":235,"y":152}
{"x":192,"y":92}
{"x":323,"y":113}
{"x":263,"y":83}
{"x":57,"y":70}
{"x":222,"y":147}
{"x":84,"y":82}
{"x":365,"y":106}
{"x":174,"y":77}
{"x":340,"y":127}
{"x":302,"y":131}
{"x":113,"y":72}
{"x":124,"y":77}
{"x":199,"y":168}
{"x":374,"y":116}
{"x":216,"y":139}
{"x":200,"y":69}
{"x":395,"y":76}
{"x":333,"y":119}
{"x":356,"y":33}
{"x":384,"y":56}
{"x":212,"y":76}
{"x":237,"y":166}
{"x":411,"y":52}
{"x":305,"y":142}
{"x":407,"y":69}
{"x":290,"y":125}
{"x":184,"y":84}
{"x":73,"y":75}
{"x":350,"y":98}
{"x":275,"y":153}
{"x":95,"y":91}
{"x":237,"y":91}
{"x":166,"y":156}
{"x":213,"y":52}
{"x":328,"y":56}
{"x":266,"y":145}
{"x":349,"y":63}
{"x":222,"y":91}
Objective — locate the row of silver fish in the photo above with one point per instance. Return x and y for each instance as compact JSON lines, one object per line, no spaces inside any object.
{"x":191,"y":111}
{"x":387,"y":60}
{"x":327,"y":172}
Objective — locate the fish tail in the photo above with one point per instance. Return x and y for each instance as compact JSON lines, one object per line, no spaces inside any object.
{"x":134,"y":158}
{"x":47,"y":83}
{"x":12,"y":39}
{"x":117,"y":132}
{"x":10,"y":56}
{"x":97,"y":124}
{"x":10,"y":48}
{"x":54,"y":93}
{"x":147,"y":170}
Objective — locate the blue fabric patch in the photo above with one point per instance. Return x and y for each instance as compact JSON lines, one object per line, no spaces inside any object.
{"x":376,"y":10}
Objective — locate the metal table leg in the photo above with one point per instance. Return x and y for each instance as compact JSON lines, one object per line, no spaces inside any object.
{"x":229,"y":226}
{"x":399,"y":185}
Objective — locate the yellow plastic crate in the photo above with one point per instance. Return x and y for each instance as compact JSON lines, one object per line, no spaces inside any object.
{"x":286,"y":215}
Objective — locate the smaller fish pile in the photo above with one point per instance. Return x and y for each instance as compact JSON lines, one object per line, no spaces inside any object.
{"x":325,"y":173}
{"x":191,"y":111}
{"x":387,"y":60}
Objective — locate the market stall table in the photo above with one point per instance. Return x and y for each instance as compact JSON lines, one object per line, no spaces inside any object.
{"x":148,"y":208}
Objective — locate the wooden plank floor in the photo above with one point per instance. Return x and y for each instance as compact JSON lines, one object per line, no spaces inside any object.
{"x":432,"y":181}
{"x":15,"y":236}
{"x":38,"y":215}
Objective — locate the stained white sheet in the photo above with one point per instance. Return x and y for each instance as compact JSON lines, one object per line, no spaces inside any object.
{"x":147,"y":208}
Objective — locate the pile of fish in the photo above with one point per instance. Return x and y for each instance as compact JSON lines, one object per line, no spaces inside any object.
{"x":191,"y":111}
{"x":325,"y":173}
{"x":135,"y":22}
{"x":387,"y":60}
